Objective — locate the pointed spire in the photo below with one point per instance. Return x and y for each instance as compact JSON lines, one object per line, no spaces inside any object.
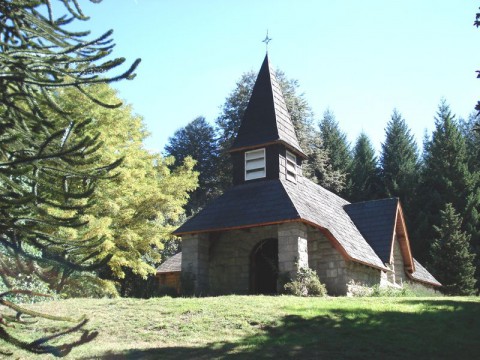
{"x":266,"y":118}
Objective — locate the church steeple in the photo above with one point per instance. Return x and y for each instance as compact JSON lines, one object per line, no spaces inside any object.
{"x":266,"y":120}
{"x":266,"y":146}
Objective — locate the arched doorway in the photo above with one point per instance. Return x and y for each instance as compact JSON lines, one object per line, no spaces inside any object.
{"x":264,"y":267}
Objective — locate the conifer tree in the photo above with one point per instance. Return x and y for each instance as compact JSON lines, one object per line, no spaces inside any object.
{"x":399,"y":163}
{"x":48,"y":171}
{"x":334,"y":141}
{"x":452,"y":262}
{"x":363,"y":181}
{"x":197,"y":140}
{"x":445,"y":179}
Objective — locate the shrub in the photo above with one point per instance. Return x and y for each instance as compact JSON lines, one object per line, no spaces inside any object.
{"x":306,"y":283}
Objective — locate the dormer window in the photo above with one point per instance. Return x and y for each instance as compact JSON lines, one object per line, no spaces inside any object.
{"x":291,"y":162}
{"x":255,"y":164}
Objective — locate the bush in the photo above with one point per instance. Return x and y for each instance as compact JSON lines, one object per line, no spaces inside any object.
{"x":407,"y":290}
{"x":306,"y":283}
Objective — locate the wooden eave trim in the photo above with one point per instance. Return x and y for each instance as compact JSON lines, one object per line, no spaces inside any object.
{"x":325,"y":231}
{"x":236,"y":227}
{"x":168,"y":272}
{"x":278,"y":141}
{"x":406,"y":241}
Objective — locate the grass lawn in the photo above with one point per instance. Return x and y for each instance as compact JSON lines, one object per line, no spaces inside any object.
{"x":263,"y":327}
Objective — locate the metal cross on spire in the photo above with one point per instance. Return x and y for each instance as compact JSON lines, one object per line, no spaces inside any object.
{"x":266,"y":41}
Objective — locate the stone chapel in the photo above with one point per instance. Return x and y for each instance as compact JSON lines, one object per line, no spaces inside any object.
{"x":273,"y":220}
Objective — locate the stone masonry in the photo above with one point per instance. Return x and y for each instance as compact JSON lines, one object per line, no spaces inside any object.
{"x":332,"y":269}
{"x":229,"y":270}
{"x":292,"y":248}
{"x":195,"y":261}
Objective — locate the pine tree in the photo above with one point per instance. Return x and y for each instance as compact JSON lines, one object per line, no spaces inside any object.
{"x":451,"y":258}
{"x":363,"y":181}
{"x":445,"y":179}
{"x":399,"y":163}
{"x":48,"y":170}
{"x":334,"y":141}
{"x":197,"y":140}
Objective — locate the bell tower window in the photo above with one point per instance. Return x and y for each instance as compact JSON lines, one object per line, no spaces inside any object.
{"x":291,"y":162}
{"x":255,"y":164}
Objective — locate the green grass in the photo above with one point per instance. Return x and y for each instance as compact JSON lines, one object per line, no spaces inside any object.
{"x":262,"y":327}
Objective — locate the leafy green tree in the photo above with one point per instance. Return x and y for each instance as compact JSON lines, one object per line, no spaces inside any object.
{"x":399,"y":163}
{"x":136,"y":211}
{"x":445,"y":179}
{"x":452,"y":262}
{"x":49,"y":170}
{"x":198,"y":141}
{"x":335,"y":142}
{"x":363,"y":180}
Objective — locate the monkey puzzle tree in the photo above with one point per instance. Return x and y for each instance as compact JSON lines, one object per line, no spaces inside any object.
{"x":49,"y":169}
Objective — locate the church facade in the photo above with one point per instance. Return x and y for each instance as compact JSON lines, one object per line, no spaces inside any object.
{"x":273,"y":220}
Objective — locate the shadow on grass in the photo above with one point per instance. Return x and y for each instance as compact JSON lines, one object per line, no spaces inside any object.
{"x":445,"y":329}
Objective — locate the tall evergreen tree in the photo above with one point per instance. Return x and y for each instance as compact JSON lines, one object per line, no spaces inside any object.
{"x":469,"y":129}
{"x":335,"y":142}
{"x":363,"y":181}
{"x":48,"y":170}
{"x":452,"y":262}
{"x":445,"y":179}
{"x":197,"y":140}
{"x":399,"y":163}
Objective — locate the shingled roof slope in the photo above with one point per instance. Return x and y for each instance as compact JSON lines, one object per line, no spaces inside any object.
{"x":376,"y":222}
{"x":422,"y":274}
{"x":323,"y":208}
{"x":276,"y":201}
{"x":250,"y":204}
{"x":266,"y":118}
{"x":172,"y":264}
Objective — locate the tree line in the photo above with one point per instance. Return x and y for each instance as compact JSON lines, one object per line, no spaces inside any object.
{"x":438,"y":187}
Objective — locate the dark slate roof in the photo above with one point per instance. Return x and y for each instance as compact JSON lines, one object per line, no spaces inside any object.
{"x":172,"y":264}
{"x":376,"y":222}
{"x":422,"y":274}
{"x":256,"y":202}
{"x":274,"y":201}
{"x":266,"y":118}
{"x":323,"y":208}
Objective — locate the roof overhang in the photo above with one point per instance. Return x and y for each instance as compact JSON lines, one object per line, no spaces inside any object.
{"x":278,"y":141}
{"x":325,"y":231}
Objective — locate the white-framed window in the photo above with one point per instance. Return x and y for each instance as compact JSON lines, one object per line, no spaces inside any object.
{"x":291,"y":166}
{"x":255,"y":164}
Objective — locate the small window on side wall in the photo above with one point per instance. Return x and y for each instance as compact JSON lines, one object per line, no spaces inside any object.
{"x":291,"y":168}
{"x":255,"y":164}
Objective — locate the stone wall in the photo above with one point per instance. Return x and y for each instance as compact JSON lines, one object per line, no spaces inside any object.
{"x":292,"y":248}
{"x":333,"y":270}
{"x":327,"y":262}
{"x":398,"y":266}
{"x":229,"y":269}
{"x":195,"y":258}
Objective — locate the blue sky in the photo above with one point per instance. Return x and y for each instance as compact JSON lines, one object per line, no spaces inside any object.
{"x":361,"y":59}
